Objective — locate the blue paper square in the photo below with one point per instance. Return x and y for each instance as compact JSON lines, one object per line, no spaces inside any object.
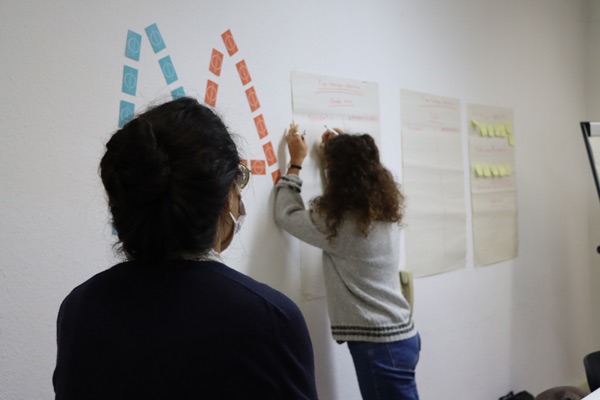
{"x":126,"y":110}
{"x":168,"y":69}
{"x":155,"y":37}
{"x":130,"y":76}
{"x":177,"y":93}
{"x":133,"y":46}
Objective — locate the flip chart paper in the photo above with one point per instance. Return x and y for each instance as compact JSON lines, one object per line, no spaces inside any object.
{"x":493,"y":195}
{"x":435,"y":217}
{"x":347,"y":104}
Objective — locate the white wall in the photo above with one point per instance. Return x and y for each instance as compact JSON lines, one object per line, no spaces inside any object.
{"x":520,"y":324}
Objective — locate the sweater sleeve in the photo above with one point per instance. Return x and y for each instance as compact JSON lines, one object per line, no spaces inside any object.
{"x":292,"y":216}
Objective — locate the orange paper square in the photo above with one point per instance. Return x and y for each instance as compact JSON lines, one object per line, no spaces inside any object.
{"x":212,"y":88}
{"x":258,"y":167}
{"x":276,"y":175}
{"x":229,"y":42}
{"x":252,"y":99}
{"x":216,"y":61}
{"x":243,"y":72}
{"x":261,"y":127}
{"x":270,"y":153}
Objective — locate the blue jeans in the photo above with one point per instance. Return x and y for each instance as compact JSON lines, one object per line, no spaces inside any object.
{"x":386,"y":371}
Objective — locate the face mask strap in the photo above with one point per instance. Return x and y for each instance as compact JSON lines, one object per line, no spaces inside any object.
{"x":237,"y":223}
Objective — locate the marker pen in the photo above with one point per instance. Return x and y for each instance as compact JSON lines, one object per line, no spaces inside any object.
{"x":331,"y":130}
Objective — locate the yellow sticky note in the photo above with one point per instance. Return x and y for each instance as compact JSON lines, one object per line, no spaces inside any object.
{"x":483,"y":129}
{"x":478,"y":170}
{"x":494,"y":169}
{"x":486,"y":170}
{"x":501,"y":131}
{"x":508,"y":169}
{"x":511,"y":140}
{"x":475,"y":123}
{"x":501,"y":170}
{"x":508,"y":126}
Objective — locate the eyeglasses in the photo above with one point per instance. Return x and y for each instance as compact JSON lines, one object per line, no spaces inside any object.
{"x":244,"y":176}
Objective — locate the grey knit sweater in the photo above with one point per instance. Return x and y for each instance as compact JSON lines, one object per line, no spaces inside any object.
{"x":361,"y":273}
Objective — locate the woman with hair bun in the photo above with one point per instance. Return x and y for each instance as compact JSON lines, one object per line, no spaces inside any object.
{"x":356,"y":222}
{"x":173,"y":321}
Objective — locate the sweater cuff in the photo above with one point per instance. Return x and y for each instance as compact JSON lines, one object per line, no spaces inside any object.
{"x":292,"y":181}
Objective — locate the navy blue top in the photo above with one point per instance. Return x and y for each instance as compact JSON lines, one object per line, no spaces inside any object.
{"x":197,"y":330}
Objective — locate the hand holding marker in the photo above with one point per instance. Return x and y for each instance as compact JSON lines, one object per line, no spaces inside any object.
{"x":331,"y":130}
{"x":294,"y":129}
{"x":297,"y":147}
{"x":328,"y":134}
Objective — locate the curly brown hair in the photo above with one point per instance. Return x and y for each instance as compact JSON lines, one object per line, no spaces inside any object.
{"x":357,"y":183}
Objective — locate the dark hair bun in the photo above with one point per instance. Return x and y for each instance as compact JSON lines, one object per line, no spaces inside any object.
{"x":167,"y":174}
{"x":140,"y":166}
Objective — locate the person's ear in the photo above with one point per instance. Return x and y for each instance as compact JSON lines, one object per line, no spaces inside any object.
{"x":231,"y":198}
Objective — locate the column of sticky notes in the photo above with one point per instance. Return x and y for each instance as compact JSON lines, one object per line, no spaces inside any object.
{"x":493,"y":130}
{"x":493,"y":184}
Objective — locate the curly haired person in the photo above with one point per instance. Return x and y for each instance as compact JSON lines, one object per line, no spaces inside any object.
{"x":356,"y":222}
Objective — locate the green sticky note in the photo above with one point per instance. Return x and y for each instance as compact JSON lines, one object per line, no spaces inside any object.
{"x":508,"y":169}
{"x":511,"y":140}
{"x":501,"y":170}
{"x":508,"y":126}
